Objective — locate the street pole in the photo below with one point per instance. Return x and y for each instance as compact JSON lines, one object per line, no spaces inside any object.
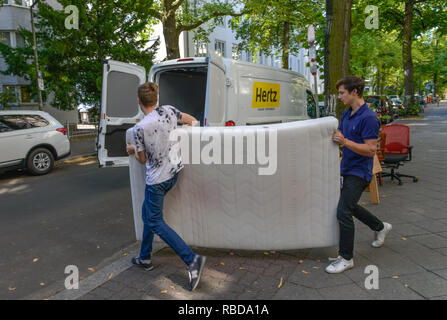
{"x":420,"y":71}
{"x":36,"y":61}
{"x":313,"y":65}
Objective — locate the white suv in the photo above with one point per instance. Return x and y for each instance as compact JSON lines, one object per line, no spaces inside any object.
{"x":31,"y":140}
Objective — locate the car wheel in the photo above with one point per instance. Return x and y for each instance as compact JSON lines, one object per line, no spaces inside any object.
{"x":40,"y":161}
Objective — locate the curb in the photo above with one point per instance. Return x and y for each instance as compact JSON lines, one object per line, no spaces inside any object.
{"x":79,"y":156}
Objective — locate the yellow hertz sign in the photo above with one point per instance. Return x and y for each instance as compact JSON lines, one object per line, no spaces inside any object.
{"x":266,"y":95}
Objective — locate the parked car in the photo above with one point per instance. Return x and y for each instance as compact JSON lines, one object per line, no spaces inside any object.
{"x":33,"y":140}
{"x":396,"y":103}
{"x":383,"y":107}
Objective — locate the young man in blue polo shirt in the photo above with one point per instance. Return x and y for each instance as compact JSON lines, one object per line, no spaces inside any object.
{"x":357,"y":134}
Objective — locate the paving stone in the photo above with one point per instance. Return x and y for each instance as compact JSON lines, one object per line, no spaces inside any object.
{"x":442,"y":234}
{"x":389,"y":262}
{"x":439,"y":298}
{"x":442,"y":273}
{"x":103,"y":293}
{"x":264,"y":282}
{"x":113,"y":286}
{"x":432,"y":241}
{"x":426,"y":284}
{"x":344,"y":292}
{"x":248,"y":294}
{"x":433,"y":225}
{"x":409,"y":229}
{"x":290,"y":291}
{"x":306,"y":275}
{"x":442,"y":251}
{"x":91,"y":296}
{"x":392,"y":289}
{"x":126,"y":294}
{"x":419,"y":254}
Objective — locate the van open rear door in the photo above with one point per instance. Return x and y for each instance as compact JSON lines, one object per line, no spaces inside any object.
{"x":119,"y":110}
{"x":215,"y":100}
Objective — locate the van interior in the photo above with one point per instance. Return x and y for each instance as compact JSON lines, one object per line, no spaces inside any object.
{"x":185,"y":89}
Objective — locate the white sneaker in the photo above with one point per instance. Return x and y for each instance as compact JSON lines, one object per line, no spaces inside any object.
{"x":339,"y":265}
{"x":380,"y":235}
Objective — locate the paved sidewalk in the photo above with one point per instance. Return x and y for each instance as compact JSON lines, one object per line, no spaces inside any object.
{"x":412,"y":264}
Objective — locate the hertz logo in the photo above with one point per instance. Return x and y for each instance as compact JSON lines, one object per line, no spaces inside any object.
{"x":266,"y":95}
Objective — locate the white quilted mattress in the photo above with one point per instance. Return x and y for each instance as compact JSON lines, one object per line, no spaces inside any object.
{"x":232,"y":206}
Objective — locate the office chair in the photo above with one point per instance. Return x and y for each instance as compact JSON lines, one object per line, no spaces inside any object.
{"x":397,"y":150}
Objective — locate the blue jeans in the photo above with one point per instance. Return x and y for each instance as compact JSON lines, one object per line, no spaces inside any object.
{"x":351,"y":191}
{"x":154,"y":223}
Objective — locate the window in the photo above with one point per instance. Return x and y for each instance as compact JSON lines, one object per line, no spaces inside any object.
{"x":20,"y":41}
{"x":11,"y":93}
{"x":36,"y":121}
{"x":249,"y":56}
{"x":5,"y":37}
{"x":4,"y":127}
{"x":18,"y":2}
{"x":25,"y":94}
{"x":220,"y":48}
{"x":20,"y":122}
{"x":15,"y":122}
{"x":200,"y":49}
{"x":18,"y":94}
{"x":235,"y":52}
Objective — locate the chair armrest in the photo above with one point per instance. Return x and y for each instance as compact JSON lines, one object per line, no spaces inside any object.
{"x":410,"y":148}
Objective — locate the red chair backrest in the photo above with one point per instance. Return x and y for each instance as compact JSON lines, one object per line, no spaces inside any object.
{"x":397,"y":138}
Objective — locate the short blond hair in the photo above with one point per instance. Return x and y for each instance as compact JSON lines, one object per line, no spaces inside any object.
{"x":148,"y":94}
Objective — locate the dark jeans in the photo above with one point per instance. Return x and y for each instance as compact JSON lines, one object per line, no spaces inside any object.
{"x":154,"y":223}
{"x":353,"y":187}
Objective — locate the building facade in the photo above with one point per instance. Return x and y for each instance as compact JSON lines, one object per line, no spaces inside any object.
{"x":15,"y":14}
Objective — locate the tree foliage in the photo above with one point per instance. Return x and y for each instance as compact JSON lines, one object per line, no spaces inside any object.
{"x":177,"y":16}
{"x":71,"y":60}
{"x":277,"y":27}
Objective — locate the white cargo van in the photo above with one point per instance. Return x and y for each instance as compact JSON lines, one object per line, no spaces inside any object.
{"x":215,"y":90}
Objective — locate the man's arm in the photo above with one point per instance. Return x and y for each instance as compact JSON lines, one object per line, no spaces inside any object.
{"x":140,"y":156}
{"x":188,"y":119}
{"x":367,"y":149}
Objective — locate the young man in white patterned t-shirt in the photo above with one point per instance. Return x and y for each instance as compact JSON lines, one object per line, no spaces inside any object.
{"x":153,"y":148}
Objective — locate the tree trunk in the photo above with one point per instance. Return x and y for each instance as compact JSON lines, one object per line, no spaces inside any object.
{"x":337,"y":50}
{"x":436,"y":73}
{"x":171,"y":35}
{"x":406,"y":54}
{"x":378,"y":82}
{"x":286,"y":46}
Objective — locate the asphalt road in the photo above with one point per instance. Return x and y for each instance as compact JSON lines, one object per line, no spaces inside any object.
{"x":77,"y":215}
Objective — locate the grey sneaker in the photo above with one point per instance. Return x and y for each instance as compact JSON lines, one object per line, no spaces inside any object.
{"x":146,"y":264}
{"x":195,"y":271}
{"x":380,"y":235}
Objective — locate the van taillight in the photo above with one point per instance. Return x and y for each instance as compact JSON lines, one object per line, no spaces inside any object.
{"x":183,"y":60}
{"x":230,"y":123}
{"x":62,"y":130}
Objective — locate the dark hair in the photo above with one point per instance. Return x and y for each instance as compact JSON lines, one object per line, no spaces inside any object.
{"x":148,"y":93}
{"x":352,"y":82}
